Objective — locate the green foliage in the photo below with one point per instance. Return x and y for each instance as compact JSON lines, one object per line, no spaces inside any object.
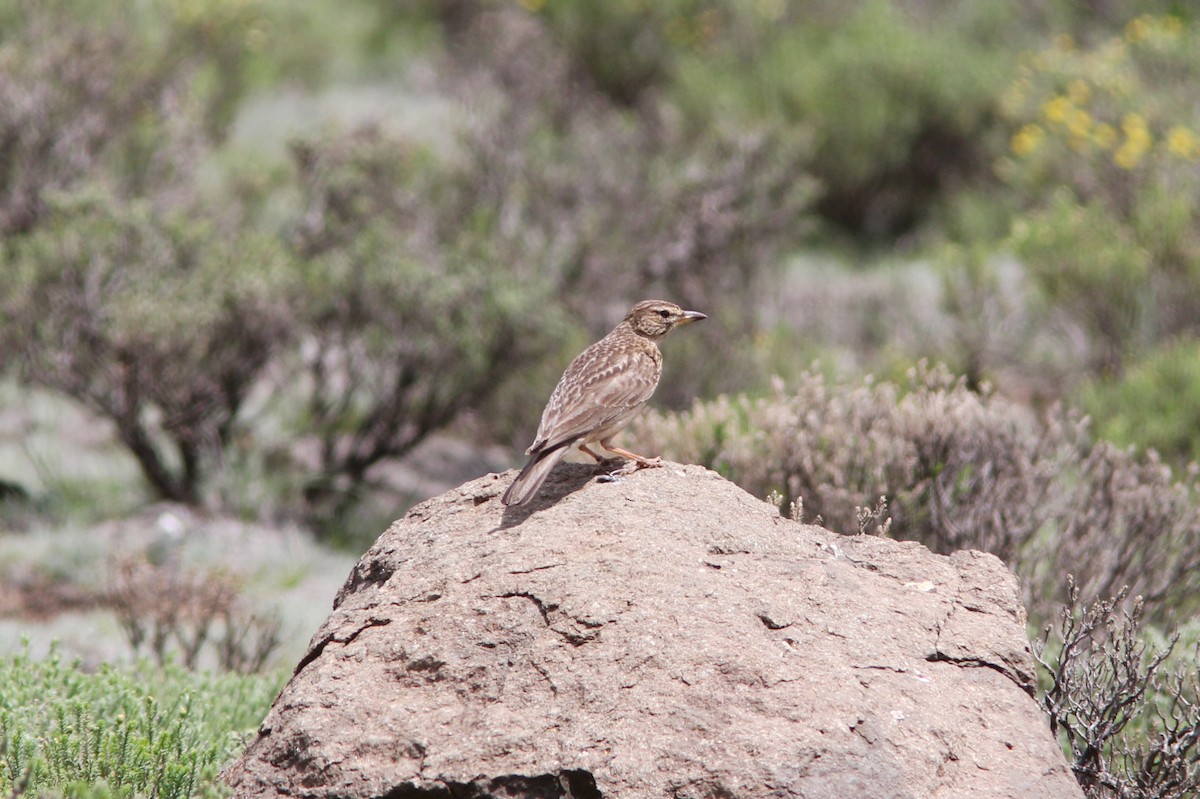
{"x":409,"y":316}
{"x":651,"y":37}
{"x":1154,"y":404}
{"x":1102,"y":286}
{"x":127,"y":288}
{"x":591,"y":153}
{"x":605,"y":204}
{"x":1105,"y":153}
{"x":897,"y":100}
{"x":897,"y":105}
{"x":413,"y":280}
{"x":130,"y":732}
{"x":157,"y":319}
{"x":95,"y":88}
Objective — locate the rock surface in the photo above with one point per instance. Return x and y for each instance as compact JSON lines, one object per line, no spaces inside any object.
{"x":667,"y":635}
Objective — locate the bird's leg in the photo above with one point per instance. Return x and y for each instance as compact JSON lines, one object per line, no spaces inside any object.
{"x":635,"y":461}
{"x":604,"y":465}
{"x":597,"y":458}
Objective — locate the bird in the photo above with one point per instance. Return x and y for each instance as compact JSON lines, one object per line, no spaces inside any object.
{"x":601,"y":391}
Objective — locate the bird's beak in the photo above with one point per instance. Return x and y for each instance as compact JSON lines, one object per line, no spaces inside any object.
{"x":691,"y":316}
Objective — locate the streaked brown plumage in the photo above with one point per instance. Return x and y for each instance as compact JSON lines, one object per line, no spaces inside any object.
{"x":601,"y":391}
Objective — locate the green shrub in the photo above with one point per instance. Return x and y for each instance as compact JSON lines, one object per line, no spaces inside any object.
{"x":1154,"y":404}
{"x":159,"y":320}
{"x":141,"y":731}
{"x":898,"y":104}
{"x":409,"y":313}
{"x":648,"y":36}
{"x":91,"y":89}
{"x":1105,"y":155}
{"x":1085,"y":264}
{"x":126,"y":288}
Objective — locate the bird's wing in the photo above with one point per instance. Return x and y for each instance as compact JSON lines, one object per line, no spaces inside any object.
{"x":597,"y":389}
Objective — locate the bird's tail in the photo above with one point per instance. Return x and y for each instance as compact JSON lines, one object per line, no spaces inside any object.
{"x":526,"y":486}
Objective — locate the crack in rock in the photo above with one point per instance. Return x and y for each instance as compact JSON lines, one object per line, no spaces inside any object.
{"x":979,"y":663}
{"x":543,"y":607}
{"x":772,"y":624}
{"x":881,"y":667}
{"x":938,"y":656}
{"x":334,"y":638}
{"x":574,"y":637}
{"x":533,"y":569}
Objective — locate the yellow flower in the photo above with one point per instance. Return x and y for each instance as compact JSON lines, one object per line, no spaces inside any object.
{"x":1105,"y":136}
{"x":1127,"y":157}
{"x":1079,"y":122}
{"x":1133,"y":124}
{"x":1027,"y":139}
{"x":1079,"y":91}
{"x":1055,"y":109}
{"x":1183,"y":143}
{"x":1172,"y":26}
{"x":1064,"y":42}
{"x":1137,"y":29}
{"x":1137,"y":142}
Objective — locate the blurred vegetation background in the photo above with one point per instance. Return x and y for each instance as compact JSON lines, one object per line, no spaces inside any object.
{"x":295,"y":266}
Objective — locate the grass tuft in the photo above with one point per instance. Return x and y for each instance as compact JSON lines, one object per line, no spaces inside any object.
{"x":127,"y":732}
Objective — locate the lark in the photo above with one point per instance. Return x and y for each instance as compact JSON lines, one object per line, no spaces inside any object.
{"x":603,"y":389}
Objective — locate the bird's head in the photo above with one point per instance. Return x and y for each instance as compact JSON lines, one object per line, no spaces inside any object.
{"x":656,"y":318}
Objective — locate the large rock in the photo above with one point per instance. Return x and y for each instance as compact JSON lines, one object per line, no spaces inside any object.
{"x":667,"y":635}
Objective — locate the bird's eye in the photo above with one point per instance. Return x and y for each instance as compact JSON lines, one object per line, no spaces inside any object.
{"x":664,"y":313}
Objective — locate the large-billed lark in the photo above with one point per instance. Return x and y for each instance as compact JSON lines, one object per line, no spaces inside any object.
{"x":601,"y":391}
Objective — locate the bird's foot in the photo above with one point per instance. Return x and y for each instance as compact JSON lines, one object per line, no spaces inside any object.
{"x":607,"y":466}
{"x":632,"y":466}
{"x":628,"y":467}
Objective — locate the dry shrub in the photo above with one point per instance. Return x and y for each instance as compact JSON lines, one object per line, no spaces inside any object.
{"x":1135,"y":525}
{"x":66,"y":93}
{"x":1128,"y":717}
{"x":29,"y":592}
{"x":961,"y":470}
{"x":606,"y":204}
{"x":167,"y":611}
